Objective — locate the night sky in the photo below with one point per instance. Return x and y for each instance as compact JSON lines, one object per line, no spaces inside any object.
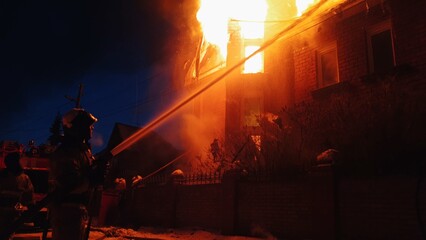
{"x":120,"y":51}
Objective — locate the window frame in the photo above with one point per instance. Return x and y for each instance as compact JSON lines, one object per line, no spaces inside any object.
{"x":373,"y":31}
{"x":244,"y":105}
{"x":321,"y":83}
{"x":262,"y":59}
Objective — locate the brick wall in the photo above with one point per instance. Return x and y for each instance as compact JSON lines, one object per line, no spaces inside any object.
{"x":351,"y":44}
{"x":284,"y":209}
{"x":153,"y":205}
{"x":315,"y":206}
{"x":199,"y":205}
{"x":349,"y":30}
{"x":305,"y":73}
{"x":383,"y":208}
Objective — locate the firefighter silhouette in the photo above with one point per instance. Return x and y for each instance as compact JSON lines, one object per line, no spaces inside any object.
{"x":71,"y":174}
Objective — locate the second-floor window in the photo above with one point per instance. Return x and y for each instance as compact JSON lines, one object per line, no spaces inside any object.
{"x":327,"y":67}
{"x":380,"y":48}
{"x":255,"y":63}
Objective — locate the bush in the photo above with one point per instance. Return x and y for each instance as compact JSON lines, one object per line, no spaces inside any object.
{"x":381,"y":131}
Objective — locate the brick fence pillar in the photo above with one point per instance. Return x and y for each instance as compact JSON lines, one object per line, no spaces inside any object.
{"x":229,"y":202}
{"x":324,"y":202}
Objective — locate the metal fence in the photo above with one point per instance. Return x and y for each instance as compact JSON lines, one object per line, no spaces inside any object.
{"x":186,"y":179}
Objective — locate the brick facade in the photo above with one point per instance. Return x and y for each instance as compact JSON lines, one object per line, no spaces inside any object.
{"x":291,"y":62}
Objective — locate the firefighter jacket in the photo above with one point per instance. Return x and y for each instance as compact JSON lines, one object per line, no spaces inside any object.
{"x":70,"y":167}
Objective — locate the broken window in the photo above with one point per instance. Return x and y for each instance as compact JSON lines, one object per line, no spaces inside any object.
{"x":327,"y":67}
{"x":380,"y":48}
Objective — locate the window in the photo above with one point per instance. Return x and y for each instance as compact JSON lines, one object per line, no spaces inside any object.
{"x":253,"y":34}
{"x":251,"y":111}
{"x":327,"y":67}
{"x":255,"y":63}
{"x":380,"y":48}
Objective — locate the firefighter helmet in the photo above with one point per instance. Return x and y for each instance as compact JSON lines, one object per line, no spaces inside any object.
{"x":77,"y":121}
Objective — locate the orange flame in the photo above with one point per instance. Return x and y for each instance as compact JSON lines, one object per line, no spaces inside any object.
{"x":303,"y":5}
{"x":214,"y":16}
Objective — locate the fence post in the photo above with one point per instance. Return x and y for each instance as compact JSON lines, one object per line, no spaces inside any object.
{"x":324,"y":186}
{"x":173,"y":186}
{"x":229,"y":202}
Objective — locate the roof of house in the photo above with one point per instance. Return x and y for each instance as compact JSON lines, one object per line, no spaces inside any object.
{"x":148,"y":154}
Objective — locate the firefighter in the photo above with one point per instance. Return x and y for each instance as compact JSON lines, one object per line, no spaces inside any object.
{"x":16,"y":189}
{"x":70,"y":174}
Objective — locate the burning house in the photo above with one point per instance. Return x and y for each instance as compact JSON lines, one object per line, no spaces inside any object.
{"x":285,"y":54}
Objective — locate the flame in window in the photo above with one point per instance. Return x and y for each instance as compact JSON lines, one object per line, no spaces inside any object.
{"x":249,"y":15}
{"x":214,"y":16}
{"x":255,"y":63}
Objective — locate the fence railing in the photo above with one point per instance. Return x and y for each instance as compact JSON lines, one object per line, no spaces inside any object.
{"x":215,"y":177}
{"x":201,"y":178}
{"x":186,"y":179}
